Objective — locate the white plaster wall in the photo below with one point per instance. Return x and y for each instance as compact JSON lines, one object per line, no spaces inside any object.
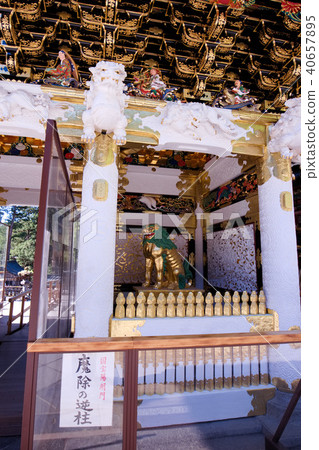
{"x":20,"y":172}
{"x":23,"y":197}
{"x":147,"y":218}
{"x":145,"y":180}
{"x":231,"y":212}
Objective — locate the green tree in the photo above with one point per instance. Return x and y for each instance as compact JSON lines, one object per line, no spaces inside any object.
{"x":24,"y":228}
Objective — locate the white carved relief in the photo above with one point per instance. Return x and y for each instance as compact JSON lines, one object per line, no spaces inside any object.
{"x":105,"y":102}
{"x":25,"y":108}
{"x":18,"y":101}
{"x":231,"y":259}
{"x":197,"y":119}
{"x":205,"y":128}
{"x":150,"y":202}
{"x":285,"y":135}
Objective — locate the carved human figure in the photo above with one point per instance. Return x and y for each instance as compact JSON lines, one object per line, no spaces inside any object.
{"x":149,"y":83}
{"x":63,"y":73}
{"x":240,"y":92}
{"x":236,"y":97}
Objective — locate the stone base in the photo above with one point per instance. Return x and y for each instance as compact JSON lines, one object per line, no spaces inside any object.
{"x":205,"y":406}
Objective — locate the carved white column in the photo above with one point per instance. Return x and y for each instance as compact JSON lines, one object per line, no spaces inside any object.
{"x":280,"y":261}
{"x":199,"y":254}
{"x":104,"y":116}
{"x":95,"y":274}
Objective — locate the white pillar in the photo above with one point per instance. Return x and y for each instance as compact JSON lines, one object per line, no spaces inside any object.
{"x":199,"y":256}
{"x":96,"y":259}
{"x":280,"y":262}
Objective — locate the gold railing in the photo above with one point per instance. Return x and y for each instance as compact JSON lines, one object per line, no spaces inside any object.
{"x":196,"y":369}
{"x":23,"y":310}
{"x":191,"y":305}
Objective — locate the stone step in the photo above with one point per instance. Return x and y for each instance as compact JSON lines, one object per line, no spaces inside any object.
{"x":291,"y":437}
{"x":239,"y":434}
{"x":278,"y":405}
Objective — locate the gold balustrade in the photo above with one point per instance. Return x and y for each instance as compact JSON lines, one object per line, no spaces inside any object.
{"x":168,"y":305}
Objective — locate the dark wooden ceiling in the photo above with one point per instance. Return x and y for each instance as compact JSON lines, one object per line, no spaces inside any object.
{"x":201,"y":46}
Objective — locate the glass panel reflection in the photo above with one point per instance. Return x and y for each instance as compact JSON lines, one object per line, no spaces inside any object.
{"x":4,"y":230}
{"x":221,"y":393}
{"x":59,"y":256}
{"x":78,"y":405}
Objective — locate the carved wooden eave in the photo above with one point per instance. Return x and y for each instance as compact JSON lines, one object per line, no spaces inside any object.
{"x":169,"y":50}
{"x":200,"y":5}
{"x":217,"y":26}
{"x":278,"y":53}
{"x":200,"y":84}
{"x":190,"y":37}
{"x":208,"y":57}
{"x":291,"y":72}
{"x":264,"y":34}
{"x":7,"y":19}
{"x":141,"y":136}
{"x":91,"y":22}
{"x":33,"y":46}
{"x":176,"y":18}
{"x":218,"y":71}
{"x":226,"y":40}
{"x":253,"y":65}
{"x":267,"y":80}
{"x":29,"y":11}
{"x":184,"y":68}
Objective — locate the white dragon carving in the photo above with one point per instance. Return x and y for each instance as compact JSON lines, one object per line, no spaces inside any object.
{"x":105,"y":102}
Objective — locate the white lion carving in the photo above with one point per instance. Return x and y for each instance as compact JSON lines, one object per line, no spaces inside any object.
{"x":18,"y":102}
{"x":285,"y":136}
{"x":105,"y":102}
{"x":196,"y":120}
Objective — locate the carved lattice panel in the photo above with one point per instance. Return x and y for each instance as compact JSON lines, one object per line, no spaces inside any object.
{"x":231,"y":259}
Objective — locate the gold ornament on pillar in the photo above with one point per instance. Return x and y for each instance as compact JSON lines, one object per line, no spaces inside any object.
{"x":273,"y":164}
{"x":282,"y":167}
{"x":103,"y":151}
{"x":100,"y":190}
{"x":286,"y":202}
